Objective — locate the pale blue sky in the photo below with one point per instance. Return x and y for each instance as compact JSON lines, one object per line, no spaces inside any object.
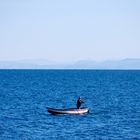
{"x":69,"y":30}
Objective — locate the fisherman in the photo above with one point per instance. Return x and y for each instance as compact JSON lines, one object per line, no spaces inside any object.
{"x":79,"y":102}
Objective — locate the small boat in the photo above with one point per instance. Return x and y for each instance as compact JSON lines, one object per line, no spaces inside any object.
{"x":68,"y":111}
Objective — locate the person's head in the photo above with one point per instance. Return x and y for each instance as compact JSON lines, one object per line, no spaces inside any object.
{"x":79,"y":97}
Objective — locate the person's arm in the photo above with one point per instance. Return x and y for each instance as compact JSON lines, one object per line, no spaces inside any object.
{"x":81,"y":101}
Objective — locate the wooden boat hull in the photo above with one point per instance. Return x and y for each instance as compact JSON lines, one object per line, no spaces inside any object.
{"x":68,"y":111}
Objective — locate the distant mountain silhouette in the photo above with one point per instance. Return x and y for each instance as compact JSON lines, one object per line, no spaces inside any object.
{"x":83,"y":64}
{"x":120,"y":64}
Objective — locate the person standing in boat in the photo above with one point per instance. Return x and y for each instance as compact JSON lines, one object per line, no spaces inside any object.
{"x":79,"y":102}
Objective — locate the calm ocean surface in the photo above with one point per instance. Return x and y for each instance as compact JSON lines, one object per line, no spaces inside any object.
{"x":113,"y":98}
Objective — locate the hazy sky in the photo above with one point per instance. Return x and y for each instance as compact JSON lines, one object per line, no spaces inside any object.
{"x":69,"y":30}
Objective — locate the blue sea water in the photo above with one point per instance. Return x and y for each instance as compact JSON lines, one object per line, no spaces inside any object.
{"x":113,"y":98}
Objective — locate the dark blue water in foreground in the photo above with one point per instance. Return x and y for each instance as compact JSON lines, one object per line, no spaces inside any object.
{"x":112,"y":96}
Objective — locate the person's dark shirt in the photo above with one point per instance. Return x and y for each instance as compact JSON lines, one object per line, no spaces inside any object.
{"x":79,"y":102}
